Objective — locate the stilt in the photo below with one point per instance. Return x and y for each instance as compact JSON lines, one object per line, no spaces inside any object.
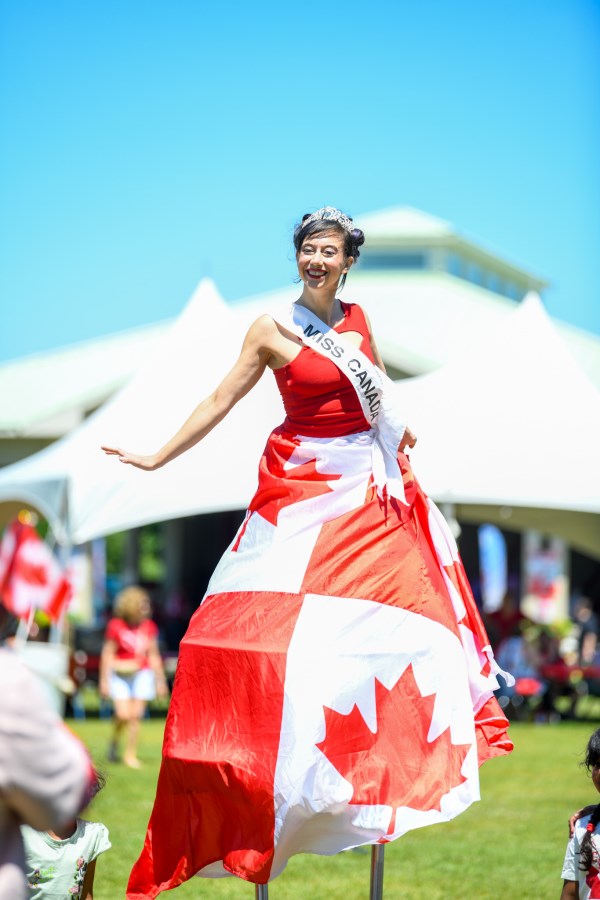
{"x":377,"y":872}
{"x":261,"y":891}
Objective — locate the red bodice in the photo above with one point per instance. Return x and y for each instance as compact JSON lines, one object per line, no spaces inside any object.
{"x":319,"y":400}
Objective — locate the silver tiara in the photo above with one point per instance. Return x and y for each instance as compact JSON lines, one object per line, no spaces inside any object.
{"x":330,"y":214}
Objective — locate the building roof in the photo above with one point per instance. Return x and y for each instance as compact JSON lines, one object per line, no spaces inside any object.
{"x":421,"y":319}
{"x":404,"y":228}
{"x":403,"y":222}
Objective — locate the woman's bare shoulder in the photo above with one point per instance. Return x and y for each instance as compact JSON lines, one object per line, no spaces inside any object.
{"x":261,"y":331}
{"x":264,"y":324}
{"x":269,"y":327}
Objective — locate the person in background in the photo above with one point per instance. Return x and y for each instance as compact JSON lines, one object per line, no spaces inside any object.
{"x":61,"y":862}
{"x":46,"y":776}
{"x":586,"y":622}
{"x":581,"y":868}
{"x":131,"y":669}
{"x":506,"y":621}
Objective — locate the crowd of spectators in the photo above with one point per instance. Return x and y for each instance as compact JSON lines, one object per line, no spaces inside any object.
{"x":554,"y":665}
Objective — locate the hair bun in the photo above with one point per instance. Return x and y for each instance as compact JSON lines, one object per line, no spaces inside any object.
{"x":358,"y":237}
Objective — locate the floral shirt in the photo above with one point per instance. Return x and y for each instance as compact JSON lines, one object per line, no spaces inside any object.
{"x":56,"y":869}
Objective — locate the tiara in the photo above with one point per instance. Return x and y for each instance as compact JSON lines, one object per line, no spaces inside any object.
{"x":330,"y":214}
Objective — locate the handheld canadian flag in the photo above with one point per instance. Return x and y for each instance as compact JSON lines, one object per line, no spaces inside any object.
{"x":335,"y":687}
{"x":30,"y":575}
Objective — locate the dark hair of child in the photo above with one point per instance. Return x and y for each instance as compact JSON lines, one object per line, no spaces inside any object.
{"x":591,"y":761}
{"x":95,"y":787}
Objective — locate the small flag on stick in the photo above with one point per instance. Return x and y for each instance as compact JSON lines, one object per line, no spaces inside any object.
{"x":31,"y":577}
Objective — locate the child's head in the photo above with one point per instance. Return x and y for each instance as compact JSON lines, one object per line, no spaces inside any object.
{"x":592,"y":756}
{"x":592,"y":764}
{"x":95,"y":787}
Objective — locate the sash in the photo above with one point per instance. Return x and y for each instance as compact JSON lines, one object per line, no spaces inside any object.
{"x":374,"y":390}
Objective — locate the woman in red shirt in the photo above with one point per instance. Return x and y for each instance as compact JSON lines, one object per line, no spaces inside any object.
{"x":131,"y":669}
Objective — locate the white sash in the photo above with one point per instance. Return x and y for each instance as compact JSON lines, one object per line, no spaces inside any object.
{"x":374,"y":390}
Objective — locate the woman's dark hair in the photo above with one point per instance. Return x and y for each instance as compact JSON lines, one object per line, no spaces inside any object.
{"x":352,"y":239}
{"x":591,"y":760}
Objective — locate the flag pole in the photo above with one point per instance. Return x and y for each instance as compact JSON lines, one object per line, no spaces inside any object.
{"x":376,"y":892}
{"x":261,"y":891}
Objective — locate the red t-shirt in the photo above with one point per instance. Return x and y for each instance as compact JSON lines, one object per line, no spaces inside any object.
{"x":132,"y":641}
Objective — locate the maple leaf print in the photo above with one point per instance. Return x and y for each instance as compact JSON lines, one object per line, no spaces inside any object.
{"x":396,"y":766}
{"x":279,"y":486}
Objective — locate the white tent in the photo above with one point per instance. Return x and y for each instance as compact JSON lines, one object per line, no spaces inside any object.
{"x":85,"y":493}
{"x":510,"y":433}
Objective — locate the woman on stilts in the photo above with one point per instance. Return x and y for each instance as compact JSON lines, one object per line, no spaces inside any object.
{"x":335,"y":687}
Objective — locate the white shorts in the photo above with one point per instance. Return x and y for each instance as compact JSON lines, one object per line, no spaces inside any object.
{"x":139,"y":685}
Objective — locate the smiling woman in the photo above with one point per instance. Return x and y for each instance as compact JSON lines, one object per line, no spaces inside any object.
{"x":335,"y":687}
{"x":327,"y":244}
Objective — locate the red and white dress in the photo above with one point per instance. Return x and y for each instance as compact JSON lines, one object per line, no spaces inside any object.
{"x":335,"y":687}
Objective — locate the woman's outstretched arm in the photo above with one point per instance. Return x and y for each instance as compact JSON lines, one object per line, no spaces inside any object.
{"x":252,"y":361}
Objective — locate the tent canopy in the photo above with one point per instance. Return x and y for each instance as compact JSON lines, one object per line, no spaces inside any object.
{"x":511,"y":431}
{"x":85,"y":494}
{"x":514,"y":423}
{"x":510,"y":434}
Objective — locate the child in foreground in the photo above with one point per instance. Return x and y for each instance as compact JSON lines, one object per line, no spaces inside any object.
{"x":581,"y":869}
{"x":61,"y":864}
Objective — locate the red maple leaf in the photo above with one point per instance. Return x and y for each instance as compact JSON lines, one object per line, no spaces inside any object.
{"x":396,"y":766}
{"x":279,"y":486}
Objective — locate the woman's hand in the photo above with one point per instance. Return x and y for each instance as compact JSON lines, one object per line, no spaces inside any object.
{"x":147,"y":463}
{"x":408,"y":440}
{"x":586,"y":811}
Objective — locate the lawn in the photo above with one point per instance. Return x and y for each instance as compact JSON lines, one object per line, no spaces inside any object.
{"x":509,"y":846}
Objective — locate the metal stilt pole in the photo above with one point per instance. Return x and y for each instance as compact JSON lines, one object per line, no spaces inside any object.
{"x":261,"y":891}
{"x":376,"y":892}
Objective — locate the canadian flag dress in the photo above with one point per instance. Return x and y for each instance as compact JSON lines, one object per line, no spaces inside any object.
{"x":335,"y":686}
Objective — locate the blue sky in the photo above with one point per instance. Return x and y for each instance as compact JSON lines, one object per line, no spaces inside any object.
{"x":146,"y":145}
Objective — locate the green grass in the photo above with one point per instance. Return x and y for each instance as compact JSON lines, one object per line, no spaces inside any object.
{"x":510,"y":846}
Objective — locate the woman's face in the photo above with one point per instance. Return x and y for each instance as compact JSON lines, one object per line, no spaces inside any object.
{"x":144,"y":611}
{"x":140,"y":612}
{"x":321,"y":260}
